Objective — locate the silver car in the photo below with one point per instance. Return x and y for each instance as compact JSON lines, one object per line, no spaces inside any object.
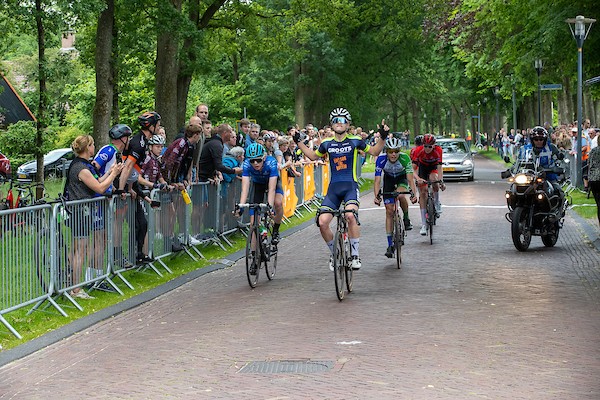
{"x":457,"y":160}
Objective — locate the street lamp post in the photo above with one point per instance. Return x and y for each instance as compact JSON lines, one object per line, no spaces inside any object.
{"x":497,"y":96}
{"x":538,"y":68}
{"x":580,"y":27}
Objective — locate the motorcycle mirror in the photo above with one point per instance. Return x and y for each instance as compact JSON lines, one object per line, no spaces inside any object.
{"x":505,"y":174}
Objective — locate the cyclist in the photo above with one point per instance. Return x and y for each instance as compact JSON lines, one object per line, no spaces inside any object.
{"x":427,"y":161}
{"x":261,"y":169}
{"x":342,"y":149}
{"x":418,"y":142}
{"x":396,"y":168}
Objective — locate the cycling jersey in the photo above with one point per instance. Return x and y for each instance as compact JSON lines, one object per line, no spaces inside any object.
{"x":151,"y":169}
{"x":431,"y":159}
{"x":343,"y":156}
{"x":173,"y":160}
{"x":402,"y":166}
{"x":268,"y":170}
{"x":136,"y":151}
{"x":106,"y":157}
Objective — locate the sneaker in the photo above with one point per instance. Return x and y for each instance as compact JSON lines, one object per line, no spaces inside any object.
{"x":331,"y":263}
{"x":143,"y":259}
{"x":390,"y":252}
{"x":438,"y":207}
{"x":423,"y":231}
{"x":193,"y":241}
{"x":81,"y":295}
{"x":407,"y":225}
{"x":356,"y":263}
{"x":275,"y":238}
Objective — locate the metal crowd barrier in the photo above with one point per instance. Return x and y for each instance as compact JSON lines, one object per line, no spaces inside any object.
{"x":47,"y":251}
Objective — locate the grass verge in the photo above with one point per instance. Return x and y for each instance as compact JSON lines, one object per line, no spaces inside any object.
{"x":41,"y":322}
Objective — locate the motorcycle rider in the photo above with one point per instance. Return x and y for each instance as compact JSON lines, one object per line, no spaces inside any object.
{"x":547,"y":153}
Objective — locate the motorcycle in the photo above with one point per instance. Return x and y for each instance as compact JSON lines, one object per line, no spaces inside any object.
{"x":536,"y":207}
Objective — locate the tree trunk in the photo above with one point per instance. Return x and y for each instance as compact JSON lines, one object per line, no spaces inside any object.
{"x":414,"y":110}
{"x":299,"y":96}
{"x":588,"y":105}
{"x":167,"y":69}
{"x":186,"y":67}
{"x":104,"y":73}
{"x":41,"y":114}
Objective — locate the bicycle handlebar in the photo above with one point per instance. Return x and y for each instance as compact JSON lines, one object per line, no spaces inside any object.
{"x":338,"y":213}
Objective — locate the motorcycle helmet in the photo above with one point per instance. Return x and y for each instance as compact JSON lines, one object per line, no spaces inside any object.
{"x":149,"y":119}
{"x":392,"y":143}
{"x":339,"y":112}
{"x":156,"y":139}
{"x":428,"y":140}
{"x":119,"y":131}
{"x":539,"y":133}
{"x":418,"y":140}
{"x":255,"y":150}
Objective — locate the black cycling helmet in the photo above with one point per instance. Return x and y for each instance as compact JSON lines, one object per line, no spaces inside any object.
{"x":149,"y":119}
{"x":418,"y":140}
{"x":339,"y":112}
{"x":119,"y":131}
{"x":539,"y":132}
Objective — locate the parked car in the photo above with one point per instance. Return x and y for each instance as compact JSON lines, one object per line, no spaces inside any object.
{"x":56,"y":165}
{"x":457,"y":159}
{"x":4,"y":167}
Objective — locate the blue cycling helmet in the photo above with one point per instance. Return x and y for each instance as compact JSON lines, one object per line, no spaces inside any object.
{"x":255,"y":150}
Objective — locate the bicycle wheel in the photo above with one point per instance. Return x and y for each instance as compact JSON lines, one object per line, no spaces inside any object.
{"x":271,"y":266}
{"x":398,"y":238}
{"x":252,"y":257}
{"x":339,"y":261}
{"x":430,"y":217}
{"x":348,"y":265}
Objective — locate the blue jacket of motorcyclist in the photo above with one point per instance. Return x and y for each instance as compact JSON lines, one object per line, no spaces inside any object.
{"x":542,"y":149}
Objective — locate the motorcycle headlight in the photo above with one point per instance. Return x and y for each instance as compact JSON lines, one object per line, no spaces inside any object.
{"x":522,"y":179}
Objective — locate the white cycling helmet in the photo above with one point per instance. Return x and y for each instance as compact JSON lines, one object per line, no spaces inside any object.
{"x":156,"y":139}
{"x":339,"y":112}
{"x":392,"y":143}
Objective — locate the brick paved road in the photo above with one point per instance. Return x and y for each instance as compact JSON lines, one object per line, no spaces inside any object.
{"x":469,"y":317}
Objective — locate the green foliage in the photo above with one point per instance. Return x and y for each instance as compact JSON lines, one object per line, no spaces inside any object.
{"x":18,"y":142}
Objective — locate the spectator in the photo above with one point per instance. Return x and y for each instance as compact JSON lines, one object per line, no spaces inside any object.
{"x":243,"y":132}
{"x":253,"y":134}
{"x":211,"y":159}
{"x":594,"y":177}
{"x":593,"y":134}
{"x":84,"y":182}
{"x":177,"y":171}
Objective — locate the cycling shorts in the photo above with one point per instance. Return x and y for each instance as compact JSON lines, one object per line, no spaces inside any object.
{"x":425,"y":170}
{"x":261,"y":190}
{"x":390,"y":184}
{"x":339,"y":192}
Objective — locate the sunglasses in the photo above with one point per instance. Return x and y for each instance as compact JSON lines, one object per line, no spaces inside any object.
{"x":339,"y":120}
{"x":428,"y":147}
{"x":538,"y":140}
{"x":393,"y":151}
{"x":256,"y":161}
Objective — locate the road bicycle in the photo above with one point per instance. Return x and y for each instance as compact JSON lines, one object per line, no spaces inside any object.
{"x":342,"y":256}
{"x":260,"y":250}
{"x":431,"y":215}
{"x":399,"y":231}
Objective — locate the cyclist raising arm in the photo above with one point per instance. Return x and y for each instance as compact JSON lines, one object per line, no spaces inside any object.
{"x":262,"y":170}
{"x":342,"y":149}
{"x":397,"y":171}
{"x":427,"y":161}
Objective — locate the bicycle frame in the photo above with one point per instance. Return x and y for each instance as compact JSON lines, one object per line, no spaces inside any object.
{"x":399,"y":231}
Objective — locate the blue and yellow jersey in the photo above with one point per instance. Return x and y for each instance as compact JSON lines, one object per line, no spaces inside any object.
{"x":343,"y":156}
{"x":262,"y":176}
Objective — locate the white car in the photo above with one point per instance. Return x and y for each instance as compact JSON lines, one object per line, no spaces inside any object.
{"x":457,"y":160}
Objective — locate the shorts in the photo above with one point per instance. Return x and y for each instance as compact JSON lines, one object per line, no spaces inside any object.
{"x":339,"y":192}
{"x":425,"y":170}
{"x":390,"y":184}
{"x":261,"y":190}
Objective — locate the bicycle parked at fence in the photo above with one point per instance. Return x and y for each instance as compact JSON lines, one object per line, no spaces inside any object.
{"x":431,"y":215}
{"x":260,"y":249}
{"x":399,"y":230}
{"x":342,"y":256}
{"x":19,"y":195}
